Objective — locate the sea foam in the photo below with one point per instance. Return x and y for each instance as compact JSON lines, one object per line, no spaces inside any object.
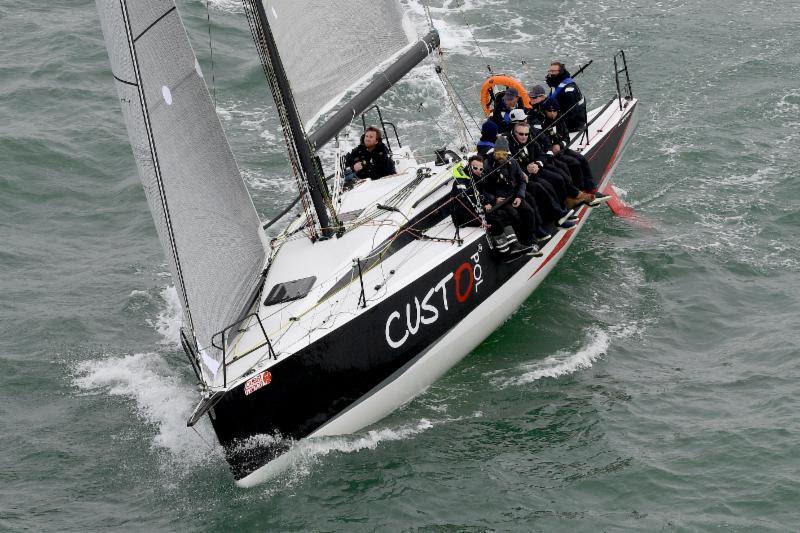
{"x":160,"y":398}
{"x":560,"y":364}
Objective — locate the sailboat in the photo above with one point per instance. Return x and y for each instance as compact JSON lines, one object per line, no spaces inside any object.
{"x":366,"y":297}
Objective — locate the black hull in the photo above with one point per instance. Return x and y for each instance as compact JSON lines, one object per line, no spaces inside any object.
{"x":320,"y":382}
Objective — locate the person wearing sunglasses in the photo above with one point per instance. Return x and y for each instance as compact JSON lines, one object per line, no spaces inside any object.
{"x":557,"y":135}
{"x":553,"y":195}
{"x":467,"y":206}
{"x":503,"y":187}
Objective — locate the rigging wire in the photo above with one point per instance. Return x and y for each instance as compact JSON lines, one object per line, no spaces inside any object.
{"x":460,"y":6}
{"x":211,"y":50}
{"x":463,"y":130}
{"x":460,"y":99}
{"x":422,"y":107}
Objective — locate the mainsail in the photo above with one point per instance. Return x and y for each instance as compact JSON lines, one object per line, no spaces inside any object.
{"x":328,"y":46}
{"x":203,"y":212}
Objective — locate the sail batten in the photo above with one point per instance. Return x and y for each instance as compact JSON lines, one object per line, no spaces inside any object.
{"x":202,"y":210}
{"x":330,"y":46}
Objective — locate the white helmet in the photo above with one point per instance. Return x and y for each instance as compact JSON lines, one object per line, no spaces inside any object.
{"x":517,"y":115}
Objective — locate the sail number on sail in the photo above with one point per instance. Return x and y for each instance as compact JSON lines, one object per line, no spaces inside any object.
{"x":465,"y":279}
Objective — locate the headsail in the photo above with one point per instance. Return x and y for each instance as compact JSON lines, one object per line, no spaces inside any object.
{"x":203,"y":212}
{"x":327,"y":46}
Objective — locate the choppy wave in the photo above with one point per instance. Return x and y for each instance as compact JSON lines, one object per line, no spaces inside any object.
{"x":170,"y":318}
{"x":159,"y":398}
{"x":560,"y":364}
{"x":226,"y":6}
{"x":302,"y":456}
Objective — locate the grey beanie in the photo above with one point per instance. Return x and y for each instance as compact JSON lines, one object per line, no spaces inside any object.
{"x":501,"y":144}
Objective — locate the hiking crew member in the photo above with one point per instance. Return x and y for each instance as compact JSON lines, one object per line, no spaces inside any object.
{"x":565,"y":91}
{"x":546,"y":188}
{"x":467,"y":202}
{"x":538,"y":95}
{"x":505,"y":102}
{"x":503,"y":187}
{"x":558,"y":137}
{"x":370,"y":159}
{"x":489,"y":132}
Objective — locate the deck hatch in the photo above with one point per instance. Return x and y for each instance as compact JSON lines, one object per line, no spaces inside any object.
{"x":290,"y":290}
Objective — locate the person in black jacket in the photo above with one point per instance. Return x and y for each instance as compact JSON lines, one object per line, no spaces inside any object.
{"x":466,"y":206}
{"x":489,"y":132}
{"x":565,"y":91}
{"x":370,"y":159}
{"x":557,"y":136}
{"x":536,"y":118}
{"x":546,"y":188}
{"x":503,"y":187}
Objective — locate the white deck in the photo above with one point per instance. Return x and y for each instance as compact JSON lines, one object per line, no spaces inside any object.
{"x":294,"y":325}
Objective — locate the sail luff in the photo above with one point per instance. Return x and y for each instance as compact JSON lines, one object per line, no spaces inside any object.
{"x":178,"y":273}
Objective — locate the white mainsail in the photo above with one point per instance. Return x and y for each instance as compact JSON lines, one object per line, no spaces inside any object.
{"x":203,"y":212}
{"x":329,"y":46}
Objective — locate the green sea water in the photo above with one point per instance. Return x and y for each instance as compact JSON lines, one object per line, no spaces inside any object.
{"x":649,"y":384}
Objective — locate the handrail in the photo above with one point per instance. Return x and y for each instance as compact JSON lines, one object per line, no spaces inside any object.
{"x":383,"y":124}
{"x":221,"y":347}
{"x":620,"y":70}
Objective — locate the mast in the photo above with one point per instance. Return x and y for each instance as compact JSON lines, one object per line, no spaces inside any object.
{"x":281,"y":90}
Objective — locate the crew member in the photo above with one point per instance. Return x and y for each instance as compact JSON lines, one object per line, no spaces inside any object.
{"x":565,"y":91}
{"x":558,"y":138}
{"x":467,"y":203}
{"x":535,"y":119}
{"x":503,"y":187}
{"x":505,"y":102}
{"x":489,"y":131}
{"x":370,"y":159}
{"x":546,"y":188}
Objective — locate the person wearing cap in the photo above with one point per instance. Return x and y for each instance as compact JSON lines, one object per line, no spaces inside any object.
{"x":370,"y":159}
{"x":505,"y":102}
{"x":466,"y":206}
{"x":555,"y":131}
{"x":489,"y":131}
{"x":503,"y":187}
{"x":538,"y":94}
{"x":565,"y":91}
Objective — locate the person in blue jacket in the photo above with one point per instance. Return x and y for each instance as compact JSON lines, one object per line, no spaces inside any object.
{"x":489,"y":132}
{"x":565,"y":91}
{"x":504,"y":103}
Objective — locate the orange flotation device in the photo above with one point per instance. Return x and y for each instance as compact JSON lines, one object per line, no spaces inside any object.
{"x":487,"y":91}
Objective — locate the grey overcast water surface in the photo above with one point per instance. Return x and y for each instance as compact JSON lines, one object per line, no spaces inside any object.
{"x":651,"y":383}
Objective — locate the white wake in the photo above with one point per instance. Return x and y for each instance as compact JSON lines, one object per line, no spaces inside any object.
{"x":560,"y":364}
{"x":160,"y":398}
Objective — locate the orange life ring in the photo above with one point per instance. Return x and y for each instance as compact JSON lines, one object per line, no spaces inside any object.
{"x":506,"y":81}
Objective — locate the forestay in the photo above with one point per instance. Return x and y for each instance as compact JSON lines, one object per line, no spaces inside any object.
{"x":328,"y":46}
{"x":203,"y":213}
